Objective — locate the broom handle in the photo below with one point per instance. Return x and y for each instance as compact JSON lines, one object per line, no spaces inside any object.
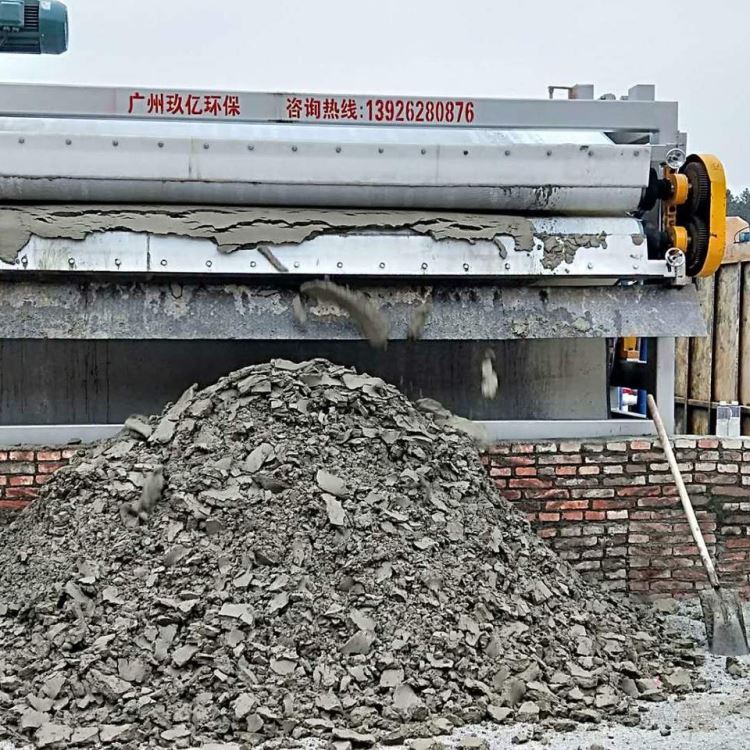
{"x":687,"y":506}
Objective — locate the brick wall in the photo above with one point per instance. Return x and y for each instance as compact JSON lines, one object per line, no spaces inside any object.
{"x":611,"y":508}
{"x":23,"y":471}
{"x":608,"y":507}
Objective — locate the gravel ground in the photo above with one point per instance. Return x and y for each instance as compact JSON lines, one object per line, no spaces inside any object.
{"x":717,"y":719}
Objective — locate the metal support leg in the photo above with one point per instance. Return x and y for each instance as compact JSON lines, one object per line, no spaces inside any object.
{"x":665,"y":355}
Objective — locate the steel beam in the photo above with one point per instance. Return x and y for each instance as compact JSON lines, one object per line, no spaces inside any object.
{"x":100,"y":310}
{"x":656,"y":118}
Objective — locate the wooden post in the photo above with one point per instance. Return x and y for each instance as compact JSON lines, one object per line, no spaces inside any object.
{"x":744,"y":363}
{"x":682,"y":364}
{"x":699,"y":377}
{"x":726,"y":334}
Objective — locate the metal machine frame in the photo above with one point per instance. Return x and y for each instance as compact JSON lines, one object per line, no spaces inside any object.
{"x":121,"y":126}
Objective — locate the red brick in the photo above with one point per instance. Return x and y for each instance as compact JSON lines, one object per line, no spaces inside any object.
{"x":42,"y":478}
{"x":638,"y":539}
{"x":525,"y":471}
{"x":640,"y":445}
{"x":573,"y":516}
{"x":547,"y":533}
{"x":500,"y":483}
{"x":13,"y":504}
{"x":639,"y":491}
{"x":568,"y":505}
{"x":552,"y":494}
{"x":522,"y":448}
{"x":48,"y":455}
{"x":686,"y":549}
{"x":565,"y":471}
{"x":530,"y":482}
{"x":520,"y":461}
{"x":595,"y":515}
{"x":671,"y":586}
{"x":3,"y":455}
{"x":589,"y":470}
{"x":732,"y":557}
{"x":497,"y":471}
{"x":617,"y":504}
{"x":739,"y":566}
{"x":658,"y":502}
{"x":548,"y":517}
{"x":708,"y":443}
{"x":741,"y":543}
{"x":3,"y":480}
{"x":69,"y":453}
{"x":696,"y":574}
{"x":649,"y":574}
{"x":21,"y":481}
{"x":638,"y":586}
{"x":617,"y":515}
{"x":21,"y":455}
{"x":511,"y":495}
{"x":21,"y":492}
{"x":531,"y":517}
{"x":50,"y":467}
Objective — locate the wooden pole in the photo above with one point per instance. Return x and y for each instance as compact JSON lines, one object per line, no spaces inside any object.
{"x":682,"y":365}
{"x":699,"y":377}
{"x":687,"y":506}
{"x":726,"y":355}
{"x":745,"y":344}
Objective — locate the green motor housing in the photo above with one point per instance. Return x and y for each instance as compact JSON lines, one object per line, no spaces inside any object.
{"x":33,"y":27}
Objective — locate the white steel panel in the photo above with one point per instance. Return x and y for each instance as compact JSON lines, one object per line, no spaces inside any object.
{"x":73,"y":160}
{"x":357,"y":255}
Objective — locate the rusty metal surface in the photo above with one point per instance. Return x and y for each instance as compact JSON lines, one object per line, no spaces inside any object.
{"x":141,"y":310}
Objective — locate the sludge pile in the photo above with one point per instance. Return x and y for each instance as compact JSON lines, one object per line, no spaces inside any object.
{"x":324,"y":559}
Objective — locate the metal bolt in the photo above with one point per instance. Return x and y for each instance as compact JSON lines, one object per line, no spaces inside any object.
{"x":567,"y":270}
{"x":549,"y":153}
{"x":589,"y":265}
{"x":71,"y":262}
{"x":466,"y":153}
{"x":466,"y":266}
{"x":635,"y":266}
{"x":296,"y":264}
{"x":115,"y":143}
{"x":591,"y":153}
{"x":22,"y":140}
{"x":338,"y":149}
{"x":380,"y":150}
{"x":507,"y":266}
{"x":636,"y":153}
{"x":208,"y":264}
{"x":339,"y":265}
{"x":424,"y":151}
{"x":118,"y":262}
{"x":68,"y":142}
{"x":252,"y":264}
{"x":507,"y":152}
{"x":424,"y":266}
{"x":381,"y":265}
{"x":294,"y":148}
{"x":206,"y":146}
{"x":160,"y":144}
{"x":251,"y":147}
{"x":25,"y":261}
{"x":164,"y":261}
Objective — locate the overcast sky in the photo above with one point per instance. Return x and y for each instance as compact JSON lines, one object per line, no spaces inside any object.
{"x":696,"y":52}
